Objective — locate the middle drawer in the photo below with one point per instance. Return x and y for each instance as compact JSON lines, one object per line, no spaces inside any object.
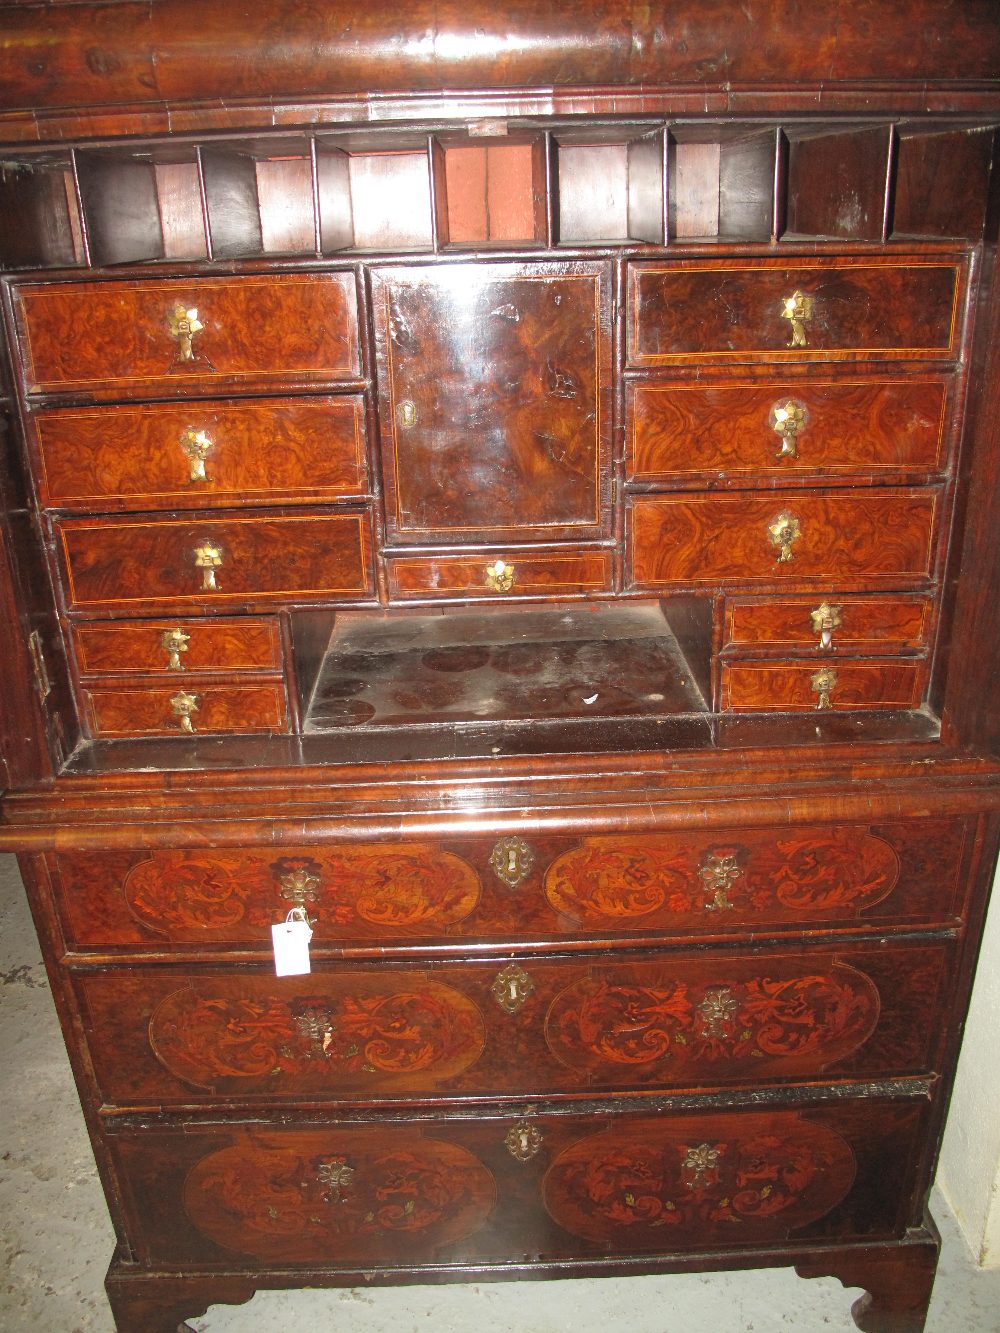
{"x":183,"y":1036}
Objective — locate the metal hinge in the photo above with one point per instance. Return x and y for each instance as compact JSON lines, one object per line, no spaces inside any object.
{"x":42,"y":682}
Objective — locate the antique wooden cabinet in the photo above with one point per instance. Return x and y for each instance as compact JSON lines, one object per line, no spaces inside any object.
{"x":516,"y":488}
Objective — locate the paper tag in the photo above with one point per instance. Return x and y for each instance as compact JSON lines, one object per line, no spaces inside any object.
{"x":291,"y":944}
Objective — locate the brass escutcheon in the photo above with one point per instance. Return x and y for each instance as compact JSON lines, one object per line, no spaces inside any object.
{"x":824,"y":682}
{"x":335,"y":1176}
{"x":825,"y":619}
{"x":784,"y":531}
{"x":511,"y":987}
{"x":716,"y":1011}
{"x":788,"y":420}
{"x":718,"y":873}
{"x":197,"y":445}
{"x":523,"y":1141}
{"x":208,"y":558}
{"x":183,"y":325}
{"x":406,"y":414}
{"x":798,"y":310}
{"x":183,"y":705}
{"x":175,"y":642}
{"x":299,"y":887}
{"x":500,"y":576}
{"x":512,"y":860}
{"x":700,"y":1167}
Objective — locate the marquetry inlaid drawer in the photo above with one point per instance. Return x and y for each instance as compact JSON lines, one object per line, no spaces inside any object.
{"x":185,"y":709}
{"x":178,"y":646}
{"x":566,"y":1185}
{"x":152,"y":456}
{"x":816,"y":538}
{"x":198,"y":562}
{"x":830,"y":622}
{"x":845,"y":309}
{"x":509,"y":574}
{"x":524,"y":1027}
{"x":839,"y":684}
{"x":707,"y":431}
{"x":387,"y":896}
{"x":170,"y":336}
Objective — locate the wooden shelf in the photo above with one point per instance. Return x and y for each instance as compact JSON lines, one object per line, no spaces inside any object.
{"x":611,"y":190}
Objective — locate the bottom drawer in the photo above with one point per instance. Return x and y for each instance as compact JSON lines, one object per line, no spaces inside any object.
{"x":789,"y":686}
{"x":557,"y":1188}
{"x":187,"y":709}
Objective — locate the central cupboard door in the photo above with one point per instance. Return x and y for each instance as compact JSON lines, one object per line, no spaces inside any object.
{"x":494,"y":390}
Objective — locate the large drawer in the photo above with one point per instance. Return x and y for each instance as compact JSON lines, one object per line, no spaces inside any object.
{"x":174,"y":1036}
{"x":200,"y":562}
{"x":153,"y":456}
{"x":386,"y":896}
{"x":171,"y":336}
{"x":829,"y":538}
{"x":783,"y":428}
{"x":354,"y":1197}
{"x":870,"y":309}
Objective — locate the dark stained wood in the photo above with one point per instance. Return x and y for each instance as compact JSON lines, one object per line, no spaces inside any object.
{"x":134,"y":710}
{"x":533,"y":574}
{"x":837,"y":183}
{"x":883,"y":536}
{"x":211,"y":645}
{"x":789,"y":685}
{"x":898,"y":1282}
{"x":495,"y":399}
{"x":116,"y":336}
{"x":143,"y":564}
{"x":941,"y":182}
{"x":263,"y":451}
{"x":875,"y":308}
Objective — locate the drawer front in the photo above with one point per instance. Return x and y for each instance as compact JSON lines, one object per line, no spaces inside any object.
{"x":184,"y":709}
{"x":155,"y":456}
{"x":387,"y":895}
{"x":827,"y":683}
{"x":853,"y":310}
{"x":786,"y":428}
{"x":854,"y":624}
{"x":510,"y":575}
{"x":170,"y":336}
{"x":495,"y":1028}
{"x":202,"y":562}
{"x":489,"y":1190}
{"x":178,"y":646}
{"x":706,"y":540}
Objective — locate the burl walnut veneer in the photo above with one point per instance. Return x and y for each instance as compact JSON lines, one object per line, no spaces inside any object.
{"x":543,"y":534}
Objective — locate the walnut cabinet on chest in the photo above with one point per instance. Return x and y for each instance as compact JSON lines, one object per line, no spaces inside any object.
{"x":518,"y":490}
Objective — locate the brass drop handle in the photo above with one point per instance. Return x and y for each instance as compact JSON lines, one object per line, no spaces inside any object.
{"x":512,"y":860}
{"x":784,"y":531}
{"x":511,"y":988}
{"x":825,"y":619}
{"x":499,"y":576}
{"x":718,"y":872}
{"x":208,"y":558}
{"x":824,"y":682}
{"x":788,"y":419}
{"x":183,"y":705}
{"x":183,"y":323}
{"x":523,"y":1141}
{"x":798,"y":310}
{"x":197,"y":445}
{"x":335,"y":1176}
{"x":175,"y":642}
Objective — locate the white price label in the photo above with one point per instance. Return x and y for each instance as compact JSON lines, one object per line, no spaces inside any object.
{"x":291,"y":945}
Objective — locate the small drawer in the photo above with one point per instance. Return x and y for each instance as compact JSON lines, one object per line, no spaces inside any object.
{"x":786,"y":428}
{"x":196,"y":563}
{"x":170,"y":336}
{"x":843,"y":686}
{"x":831,"y":622}
{"x":510,"y":575}
{"x":204,"y":453}
{"x":184,"y":709}
{"x":694,"y":541}
{"x":770,"y":309}
{"x":173,"y":646}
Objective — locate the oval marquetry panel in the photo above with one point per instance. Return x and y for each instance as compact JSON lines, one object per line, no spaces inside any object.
{"x":316,"y":1035}
{"x":309,"y":1197}
{"x":667,"y":1184}
{"x":367,"y":890}
{"x":681,"y":1020}
{"x":672,"y":880}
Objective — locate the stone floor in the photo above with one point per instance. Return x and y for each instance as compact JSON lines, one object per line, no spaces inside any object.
{"x":56,"y":1239}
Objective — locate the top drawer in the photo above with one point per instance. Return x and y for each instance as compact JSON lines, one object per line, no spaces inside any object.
{"x":173,"y":336}
{"x":769,"y":309}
